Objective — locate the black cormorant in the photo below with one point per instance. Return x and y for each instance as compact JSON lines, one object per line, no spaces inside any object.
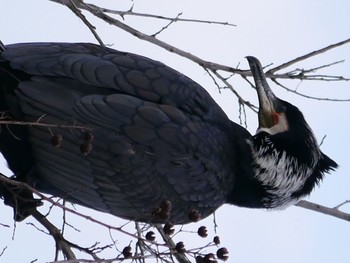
{"x":128,"y":135}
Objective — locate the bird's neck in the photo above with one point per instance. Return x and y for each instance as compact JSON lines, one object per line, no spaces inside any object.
{"x":275,"y":177}
{"x":281,"y":174}
{"x":246,"y":191}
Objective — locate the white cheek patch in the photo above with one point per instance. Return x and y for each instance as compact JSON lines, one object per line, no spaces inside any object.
{"x":279,"y":127}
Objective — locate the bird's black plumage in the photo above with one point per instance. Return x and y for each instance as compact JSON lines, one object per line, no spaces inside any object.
{"x":157,"y":137}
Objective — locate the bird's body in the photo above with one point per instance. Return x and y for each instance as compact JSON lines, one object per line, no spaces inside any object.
{"x":127,"y":135}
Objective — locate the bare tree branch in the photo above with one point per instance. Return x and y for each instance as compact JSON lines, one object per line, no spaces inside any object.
{"x":99,"y":12}
{"x":300,"y":74}
{"x":74,"y":5}
{"x":213,"y":69}
{"x":150,"y":38}
{"x":306,"y":56}
{"x":181,"y":257}
{"x":308,"y":96}
{"x":173,"y":19}
{"x":5,"y":181}
{"x":164,"y":27}
{"x":324,"y":210}
{"x":240,"y":99}
{"x":41,"y":124}
{"x":61,"y":243}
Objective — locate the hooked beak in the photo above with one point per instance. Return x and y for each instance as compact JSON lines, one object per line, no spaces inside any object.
{"x":267,"y":100}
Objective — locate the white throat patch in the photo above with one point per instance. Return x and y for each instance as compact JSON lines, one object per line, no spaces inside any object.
{"x":280,"y":173}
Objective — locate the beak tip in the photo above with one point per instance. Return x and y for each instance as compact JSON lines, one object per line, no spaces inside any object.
{"x":249,"y":57}
{"x":252,"y":60}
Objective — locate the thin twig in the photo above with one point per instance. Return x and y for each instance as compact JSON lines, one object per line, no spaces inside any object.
{"x":320,"y":67}
{"x":302,"y":76}
{"x":61,"y":243}
{"x":229,"y":86}
{"x":306,"y":56}
{"x":97,"y":11}
{"x":181,"y":257}
{"x":3,"y":251}
{"x":322,"y":140}
{"x":308,"y":96}
{"x":341,"y":204}
{"x":241,"y":110}
{"x":164,"y":28}
{"x":153,"y":40}
{"x":42,"y":124}
{"x":140,"y":242}
{"x":74,"y":6}
{"x":324,"y":210}
{"x":174,"y":19}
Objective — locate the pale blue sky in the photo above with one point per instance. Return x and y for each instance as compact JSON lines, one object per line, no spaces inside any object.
{"x":273,"y":31}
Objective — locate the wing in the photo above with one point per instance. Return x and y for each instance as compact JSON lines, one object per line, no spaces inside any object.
{"x":158,"y":136}
{"x":103,"y":70}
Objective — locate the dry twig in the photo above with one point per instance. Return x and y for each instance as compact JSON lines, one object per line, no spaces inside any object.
{"x":300,"y":74}
{"x":324,"y":210}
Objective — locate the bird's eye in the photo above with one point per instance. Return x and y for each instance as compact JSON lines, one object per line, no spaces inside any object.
{"x":279,"y":107}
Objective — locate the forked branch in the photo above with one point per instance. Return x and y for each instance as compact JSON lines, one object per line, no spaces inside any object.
{"x":296,"y":74}
{"x":335,"y":212}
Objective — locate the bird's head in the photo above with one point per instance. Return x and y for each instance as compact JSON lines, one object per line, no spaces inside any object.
{"x":287,"y":159}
